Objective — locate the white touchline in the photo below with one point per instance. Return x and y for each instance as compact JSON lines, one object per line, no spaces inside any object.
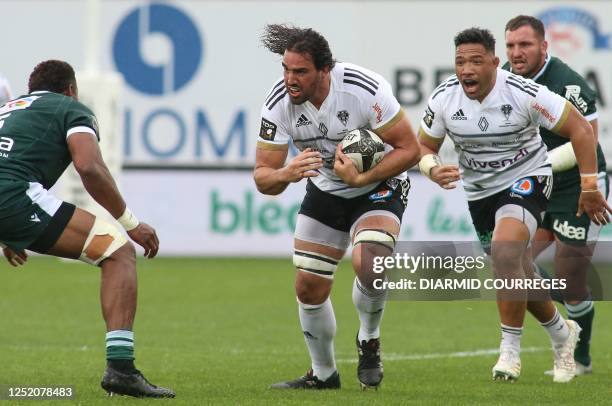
{"x":460,"y":354}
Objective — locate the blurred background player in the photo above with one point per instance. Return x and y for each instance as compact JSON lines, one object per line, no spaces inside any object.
{"x":574,"y":237}
{"x":314,"y":105}
{"x":40,"y":135}
{"x":493,"y":118}
{"x":5,"y":90}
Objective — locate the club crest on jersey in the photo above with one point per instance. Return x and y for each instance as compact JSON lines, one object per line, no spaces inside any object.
{"x":506,"y":109}
{"x":523,"y":187}
{"x":343,"y":116}
{"x":381,"y":195}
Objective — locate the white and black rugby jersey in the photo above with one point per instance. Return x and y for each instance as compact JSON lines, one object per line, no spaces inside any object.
{"x":357,"y":98}
{"x":498,"y":141}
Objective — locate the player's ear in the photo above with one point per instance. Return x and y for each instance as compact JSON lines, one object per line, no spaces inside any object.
{"x":496,"y":61}
{"x":544,"y":46}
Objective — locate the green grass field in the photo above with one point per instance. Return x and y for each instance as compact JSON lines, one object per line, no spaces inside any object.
{"x":219,"y":331}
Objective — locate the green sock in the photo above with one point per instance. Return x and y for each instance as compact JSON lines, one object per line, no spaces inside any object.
{"x":120,"y":345}
{"x":582,"y":313}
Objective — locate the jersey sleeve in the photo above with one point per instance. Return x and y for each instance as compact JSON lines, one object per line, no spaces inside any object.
{"x":547,"y":108}
{"x":273,"y":134}
{"x":432,"y":123}
{"x":384,"y":108}
{"x":79,"y":118}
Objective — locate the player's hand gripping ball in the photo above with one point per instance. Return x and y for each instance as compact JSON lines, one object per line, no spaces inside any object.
{"x":364,"y":148}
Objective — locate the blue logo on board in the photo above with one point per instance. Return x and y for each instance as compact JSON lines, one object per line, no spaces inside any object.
{"x":186,"y":49}
{"x":579,"y":17}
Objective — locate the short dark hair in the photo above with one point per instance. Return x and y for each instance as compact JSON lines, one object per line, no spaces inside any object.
{"x":522,"y":20}
{"x":476,"y":35}
{"x":52,"y":75}
{"x":279,"y":38}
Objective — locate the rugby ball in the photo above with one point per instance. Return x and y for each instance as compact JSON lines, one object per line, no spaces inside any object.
{"x":364,"y":148}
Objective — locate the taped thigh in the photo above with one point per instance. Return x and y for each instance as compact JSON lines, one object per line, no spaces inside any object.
{"x":315,"y":263}
{"x":102,"y":241}
{"x":521,"y":214}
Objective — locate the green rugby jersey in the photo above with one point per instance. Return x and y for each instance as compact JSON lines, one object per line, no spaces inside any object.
{"x":563,"y":80}
{"x":33,"y":136}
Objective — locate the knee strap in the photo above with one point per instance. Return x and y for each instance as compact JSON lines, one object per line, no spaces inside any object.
{"x":315,"y":263}
{"x":375,"y":236}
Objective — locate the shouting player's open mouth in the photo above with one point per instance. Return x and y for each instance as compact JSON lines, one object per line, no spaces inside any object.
{"x":294,"y":91}
{"x":470,"y":86}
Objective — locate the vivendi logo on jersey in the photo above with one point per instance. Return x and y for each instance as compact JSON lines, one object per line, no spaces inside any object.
{"x":560,"y":23}
{"x":139,"y":57}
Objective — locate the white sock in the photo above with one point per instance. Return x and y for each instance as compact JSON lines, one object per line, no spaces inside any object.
{"x":370,"y":305}
{"x":319,"y":327}
{"x":511,"y":337}
{"x":557,"y":329}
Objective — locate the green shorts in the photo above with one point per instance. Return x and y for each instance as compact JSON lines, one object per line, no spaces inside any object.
{"x":571,"y":229}
{"x":30,"y":216}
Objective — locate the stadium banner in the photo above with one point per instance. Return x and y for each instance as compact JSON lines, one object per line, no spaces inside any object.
{"x":222,"y":213}
{"x":196,"y":74}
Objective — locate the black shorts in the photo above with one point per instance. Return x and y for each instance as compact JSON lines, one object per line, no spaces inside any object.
{"x":340,"y":213}
{"x":531,"y":193}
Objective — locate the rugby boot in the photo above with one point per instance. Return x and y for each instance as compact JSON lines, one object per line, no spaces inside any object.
{"x":508,"y":366}
{"x":370,"y":368}
{"x":310,"y":381}
{"x":132,"y":383}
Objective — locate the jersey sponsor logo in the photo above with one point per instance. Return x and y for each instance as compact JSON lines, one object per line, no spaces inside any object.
{"x":459,"y":115}
{"x":571,"y":232}
{"x":381,"y":195}
{"x":523,"y":187}
{"x":428,"y":118}
{"x":267,"y":130}
{"x":483,"y":124}
{"x":378,"y":112}
{"x":6,"y":144}
{"x":506,"y":109}
{"x":572,"y":93}
{"x":543,"y":112}
{"x":476,"y":164}
{"x":343,"y":116}
{"x":19,"y":104}
{"x":130,"y":45}
{"x":323,"y":129}
{"x":302,"y":120}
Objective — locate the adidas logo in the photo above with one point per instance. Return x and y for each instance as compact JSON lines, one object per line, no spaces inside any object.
{"x":459,"y":115}
{"x":302,"y":120}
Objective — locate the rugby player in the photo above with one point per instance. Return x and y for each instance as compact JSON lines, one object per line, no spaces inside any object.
{"x":41,"y":133}
{"x":574,"y":237}
{"x":493,"y":117}
{"x":314,"y":105}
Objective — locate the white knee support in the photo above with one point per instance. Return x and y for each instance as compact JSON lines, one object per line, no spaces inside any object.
{"x":315,"y":263}
{"x":102,"y":241}
{"x":375,"y":236}
{"x":521,"y":214}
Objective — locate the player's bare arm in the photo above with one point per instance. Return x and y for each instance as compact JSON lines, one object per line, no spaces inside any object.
{"x":271,"y":174}
{"x":444,"y":175}
{"x":405,"y":154}
{"x":580,"y":132}
{"x":99,"y":183}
